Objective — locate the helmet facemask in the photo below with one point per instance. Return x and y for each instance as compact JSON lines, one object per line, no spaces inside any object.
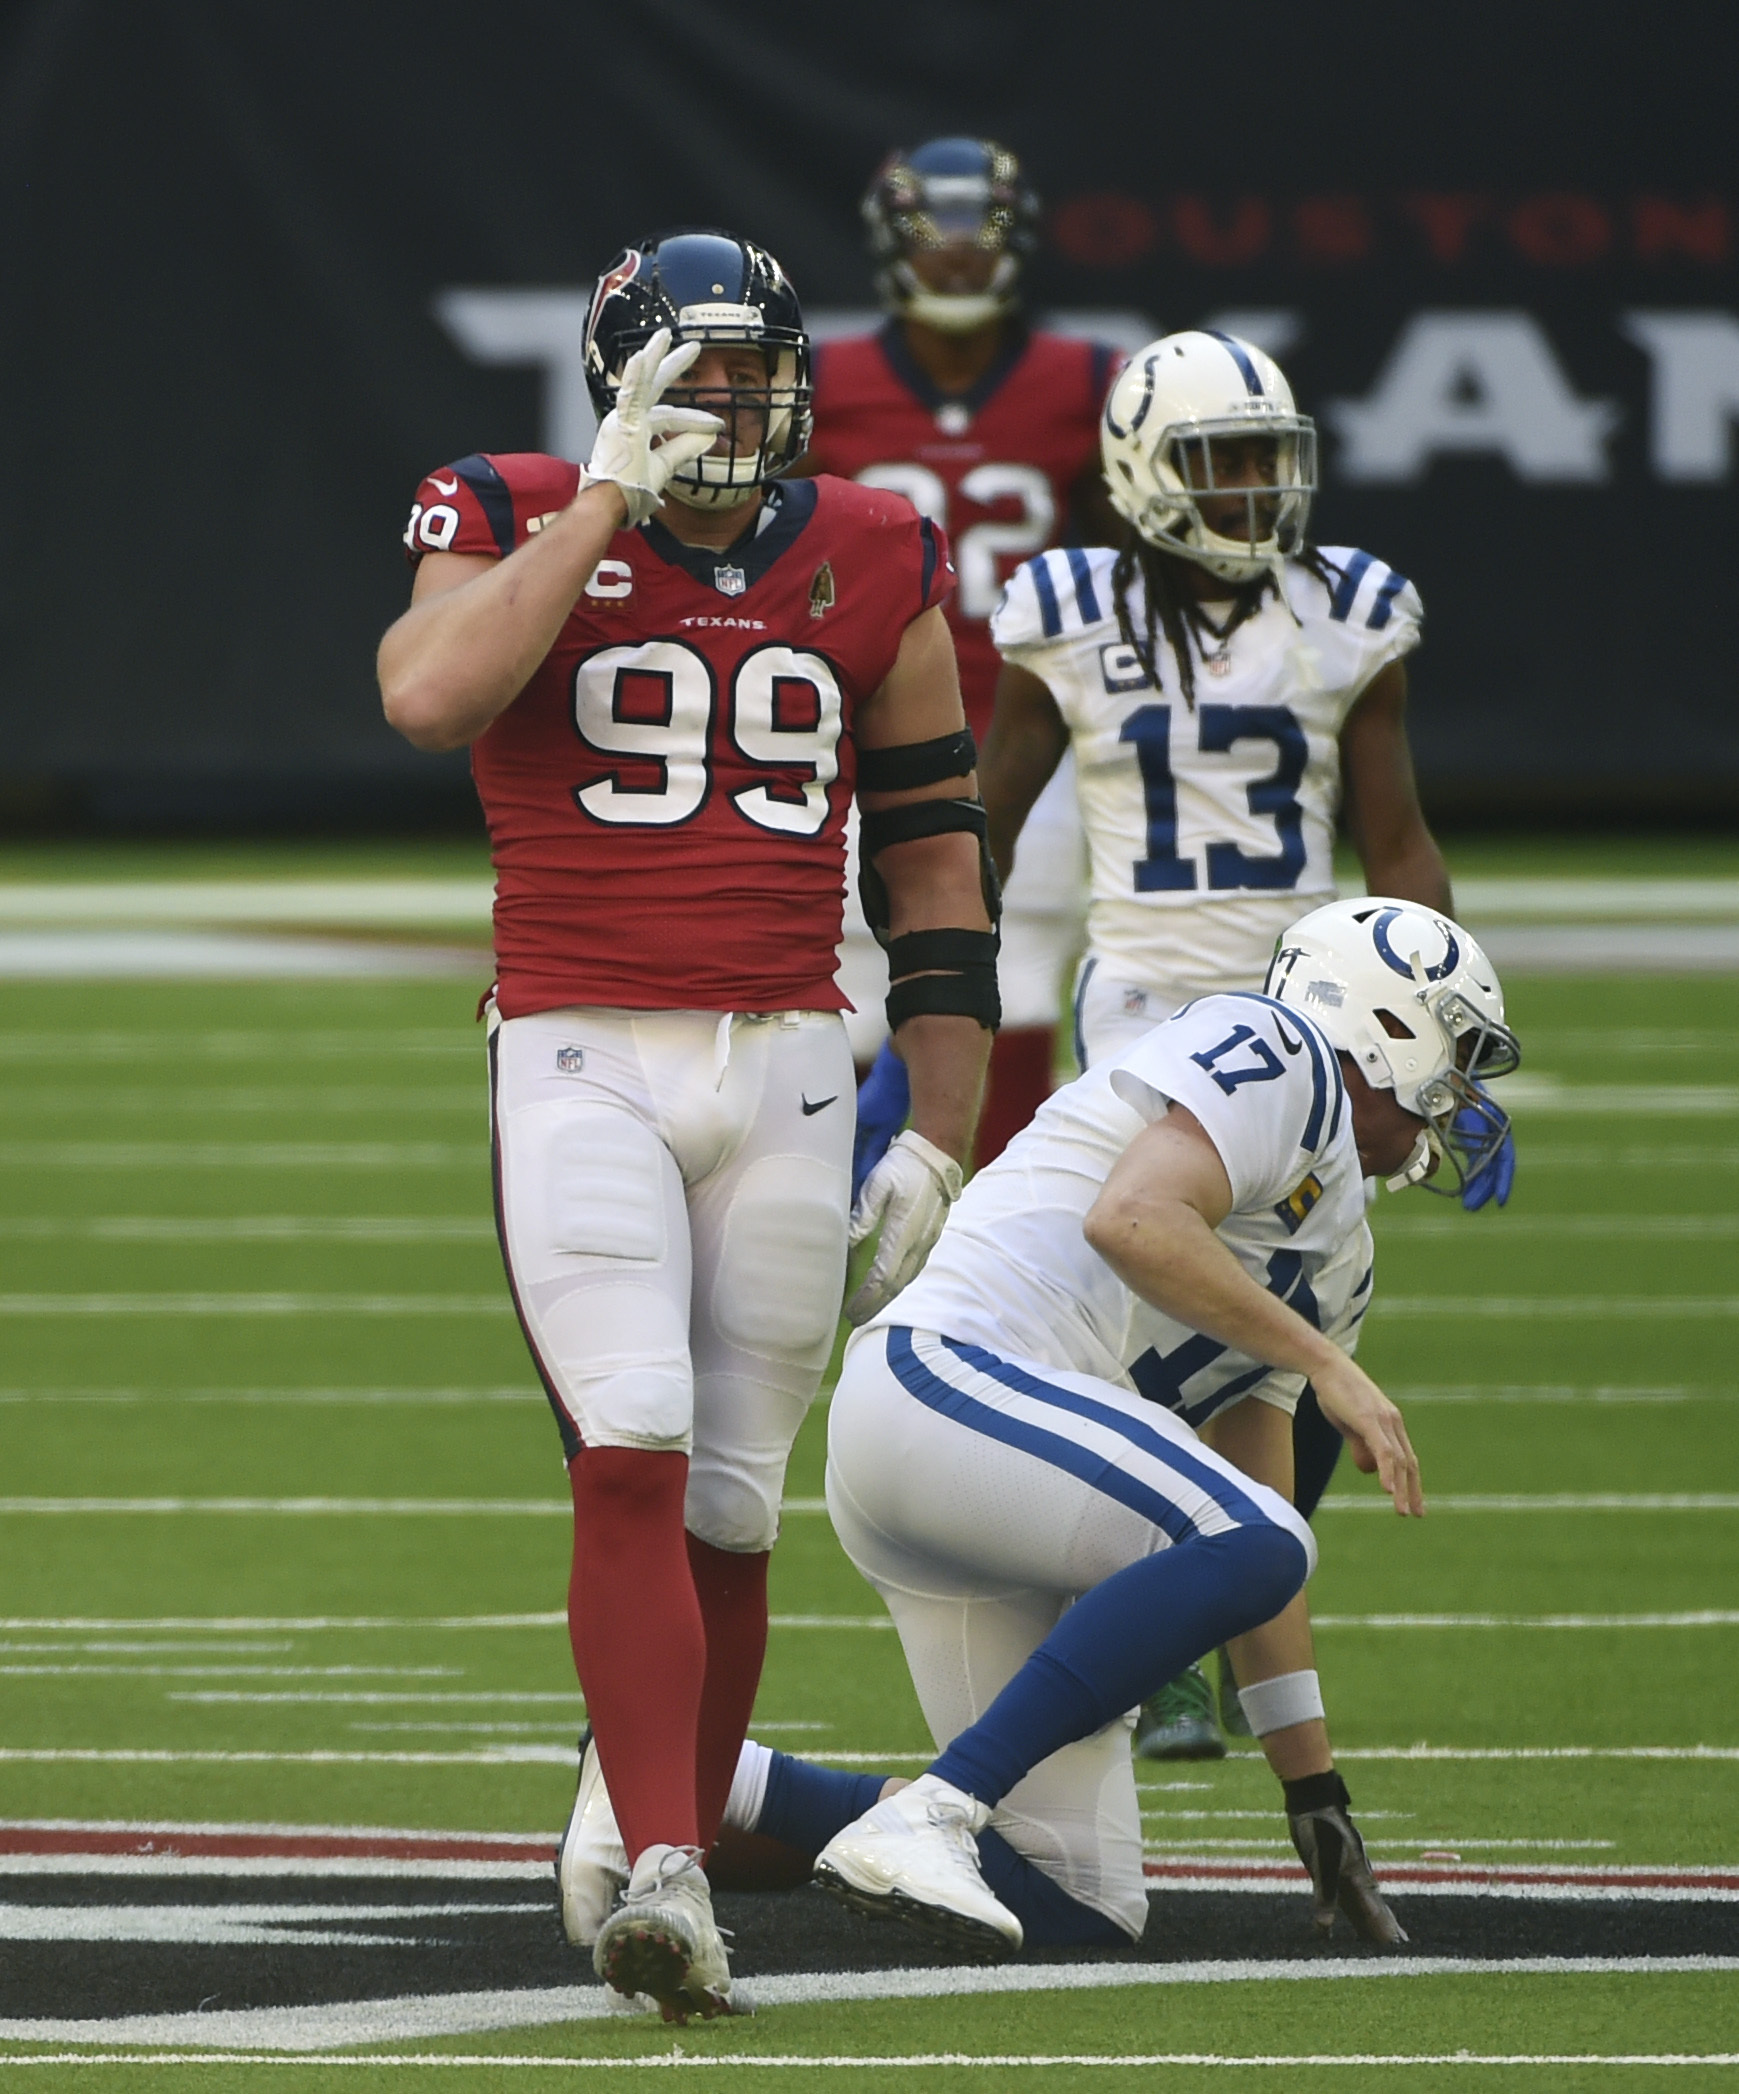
{"x":766,"y":426}
{"x":1410,"y":999}
{"x":959,"y":195}
{"x":1197,"y":492}
{"x":1464,"y":1125}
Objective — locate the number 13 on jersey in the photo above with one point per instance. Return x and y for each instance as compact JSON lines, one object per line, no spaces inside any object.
{"x":1163,"y":870}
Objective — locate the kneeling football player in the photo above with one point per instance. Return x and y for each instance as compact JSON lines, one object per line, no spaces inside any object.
{"x":1013,"y":1460}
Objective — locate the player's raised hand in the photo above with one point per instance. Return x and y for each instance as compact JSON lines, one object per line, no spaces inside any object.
{"x":908,"y":1194}
{"x":640,"y":444}
{"x":1374,"y":1429}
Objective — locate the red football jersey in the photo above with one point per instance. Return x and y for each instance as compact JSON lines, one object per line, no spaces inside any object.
{"x":666,"y":798}
{"x":994,"y":466}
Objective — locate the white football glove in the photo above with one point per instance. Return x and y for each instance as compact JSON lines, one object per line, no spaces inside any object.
{"x":909,"y":1194}
{"x":640,"y":444}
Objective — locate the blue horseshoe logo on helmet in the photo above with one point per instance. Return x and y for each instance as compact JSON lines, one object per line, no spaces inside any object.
{"x":1390,"y":958}
{"x":1142,"y":405}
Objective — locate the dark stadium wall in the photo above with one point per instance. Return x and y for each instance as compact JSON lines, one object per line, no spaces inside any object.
{"x":266,"y":264}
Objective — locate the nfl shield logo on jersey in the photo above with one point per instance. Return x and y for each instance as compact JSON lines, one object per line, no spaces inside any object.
{"x":730,"y":581}
{"x":570,"y":1060}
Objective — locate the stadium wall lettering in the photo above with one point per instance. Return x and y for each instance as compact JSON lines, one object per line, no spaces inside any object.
{"x":265,"y":266}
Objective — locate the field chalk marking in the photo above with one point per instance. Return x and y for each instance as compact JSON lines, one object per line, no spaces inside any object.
{"x":324,"y":2029}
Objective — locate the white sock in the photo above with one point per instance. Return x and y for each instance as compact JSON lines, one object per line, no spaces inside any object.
{"x":748,"y":1787}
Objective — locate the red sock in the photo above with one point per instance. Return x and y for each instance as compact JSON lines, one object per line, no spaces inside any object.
{"x":1018,"y":1084}
{"x":732,"y":1591}
{"x":639,"y":1643}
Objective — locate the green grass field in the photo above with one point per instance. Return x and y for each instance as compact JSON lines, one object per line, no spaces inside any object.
{"x":245,"y":1254}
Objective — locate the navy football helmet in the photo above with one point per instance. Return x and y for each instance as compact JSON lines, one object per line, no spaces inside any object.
{"x":710,"y":287}
{"x":950,"y":192}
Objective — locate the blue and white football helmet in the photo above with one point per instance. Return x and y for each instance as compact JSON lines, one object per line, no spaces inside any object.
{"x":1170,"y":404}
{"x":1416,"y":1003}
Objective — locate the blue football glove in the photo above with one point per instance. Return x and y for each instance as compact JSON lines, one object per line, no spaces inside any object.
{"x":882,"y":1105}
{"x":1495,"y":1176}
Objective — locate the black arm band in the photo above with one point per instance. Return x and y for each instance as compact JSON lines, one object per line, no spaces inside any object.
{"x":891,"y":825}
{"x":906,"y":825}
{"x":970,"y":994}
{"x":921,"y":952}
{"x":916,"y":763}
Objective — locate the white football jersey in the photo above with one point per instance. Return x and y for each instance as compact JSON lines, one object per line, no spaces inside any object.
{"x":1013,"y":1272}
{"x":1209,"y":829}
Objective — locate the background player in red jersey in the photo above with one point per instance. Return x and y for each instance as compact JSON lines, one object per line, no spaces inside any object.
{"x":671,"y":672}
{"x":991,"y":429}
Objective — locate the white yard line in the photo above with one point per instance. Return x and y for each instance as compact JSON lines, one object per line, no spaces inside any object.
{"x":303,"y":1508}
{"x":1705,"y":1619}
{"x":299,"y":1100}
{"x":1563,"y":1392}
{"x":251,"y":1305}
{"x":251,"y":1228}
{"x":221,"y":1926}
{"x":241,"y":1156}
{"x":1530,"y":1095}
{"x":74,"y":954}
{"x":513,"y":1696}
{"x":310,"y":2030}
{"x":1547,"y":1501}
{"x":267,"y":1396}
{"x":232,"y":1672}
{"x":1703,"y":1158}
{"x":1560,"y":1308}
{"x":1607,"y":949}
{"x":1619,"y":1228}
{"x":1483,"y":900}
{"x":366,"y":902}
{"x":150,"y":1756}
{"x":247,"y":1624}
{"x":917,"y":2061}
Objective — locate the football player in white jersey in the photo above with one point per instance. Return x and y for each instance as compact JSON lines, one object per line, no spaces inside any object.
{"x":1013,"y":1462}
{"x":1227,"y":690}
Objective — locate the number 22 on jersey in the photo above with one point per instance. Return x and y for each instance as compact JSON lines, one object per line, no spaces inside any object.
{"x":978,"y":546}
{"x":650,"y":705}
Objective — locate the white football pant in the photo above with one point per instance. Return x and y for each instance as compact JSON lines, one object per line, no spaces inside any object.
{"x":671,"y":1190}
{"x":980,"y":1496}
{"x":1112,"y":1014}
{"x":1044,"y":911}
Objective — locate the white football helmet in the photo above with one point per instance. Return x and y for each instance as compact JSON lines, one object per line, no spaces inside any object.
{"x":1416,"y":1003}
{"x":1171,"y":403}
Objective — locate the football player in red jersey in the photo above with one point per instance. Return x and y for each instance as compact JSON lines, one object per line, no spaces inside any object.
{"x":991,"y":429}
{"x":672,"y":672}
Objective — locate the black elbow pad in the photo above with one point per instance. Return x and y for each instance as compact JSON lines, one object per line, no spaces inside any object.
{"x":905,"y":825}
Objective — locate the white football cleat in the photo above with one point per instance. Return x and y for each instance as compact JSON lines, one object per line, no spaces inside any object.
{"x":662,"y":1940}
{"x":591,"y":1863}
{"x":914,"y":1857}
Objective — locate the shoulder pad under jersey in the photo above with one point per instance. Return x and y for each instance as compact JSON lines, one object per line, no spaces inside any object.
{"x":1053,"y":597}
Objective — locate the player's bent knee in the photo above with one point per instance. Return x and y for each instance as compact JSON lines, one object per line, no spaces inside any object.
{"x":733,"y":1512}
{"x":1268,"y":1566}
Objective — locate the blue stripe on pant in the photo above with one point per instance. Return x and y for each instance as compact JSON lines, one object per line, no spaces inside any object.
{"x":1141,"y":1626}
{"x":1062,"y":1452}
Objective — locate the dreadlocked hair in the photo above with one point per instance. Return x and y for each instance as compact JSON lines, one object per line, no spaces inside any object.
{"x":1172,"y":608}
